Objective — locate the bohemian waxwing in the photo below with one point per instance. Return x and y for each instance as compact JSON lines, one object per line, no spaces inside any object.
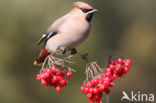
{"x":67,"y":32}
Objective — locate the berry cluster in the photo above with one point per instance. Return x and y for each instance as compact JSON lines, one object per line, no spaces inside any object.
{"x":94,"y":88}
{"x":53,"y":77}
{"x":102,"y":83}
{"x":117,"y":68}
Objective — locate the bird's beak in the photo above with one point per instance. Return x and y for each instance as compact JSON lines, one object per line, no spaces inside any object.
{"x":92,"y":11}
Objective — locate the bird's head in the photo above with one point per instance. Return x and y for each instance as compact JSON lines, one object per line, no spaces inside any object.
{"x":84,"y":9}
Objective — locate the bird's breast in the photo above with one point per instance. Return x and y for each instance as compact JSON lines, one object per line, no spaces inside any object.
{"x":71,"y":34}
{"x":75,"y":32}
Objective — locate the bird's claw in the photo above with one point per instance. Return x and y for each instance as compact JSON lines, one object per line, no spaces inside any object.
{"x":63,"y":50}
{"x":73,"y":51}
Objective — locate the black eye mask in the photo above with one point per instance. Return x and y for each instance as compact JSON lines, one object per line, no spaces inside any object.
{"x":85,"y":10}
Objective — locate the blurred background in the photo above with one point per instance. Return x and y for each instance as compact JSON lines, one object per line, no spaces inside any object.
{"x":121,"y":28}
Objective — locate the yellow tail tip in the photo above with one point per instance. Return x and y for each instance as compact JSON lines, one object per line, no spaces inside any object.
{"x":38,"y":64}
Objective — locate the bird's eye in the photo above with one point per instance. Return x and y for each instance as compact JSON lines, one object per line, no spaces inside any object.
{"x":85,"y":10}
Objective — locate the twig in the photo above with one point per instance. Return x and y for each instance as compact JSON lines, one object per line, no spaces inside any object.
{"x":107,"y":98}
{"x":52,"y":60}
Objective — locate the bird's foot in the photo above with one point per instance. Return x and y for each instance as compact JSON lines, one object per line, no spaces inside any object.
{"x":73,"y":51}
{"x":63,"y":50}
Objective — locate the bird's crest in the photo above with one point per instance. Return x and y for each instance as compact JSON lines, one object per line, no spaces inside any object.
{"x":82,"y":5}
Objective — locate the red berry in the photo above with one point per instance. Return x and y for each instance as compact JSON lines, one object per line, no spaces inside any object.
{"x":103,"y":75}
{"x":52,"y":75}
{"x":89,"y":95}
{"x":69,"y":74}
{"x":86,"y":90}
{"x":120,"y":74}
{"x":54,"y":79}
{"x":100,"y":81}
{"x":49,"y":71}
{"x":120,"y":61}
{"x":101,"y":87}
{"x":98,"y":97}
{"x":58,"y":89}
{"x":82,"y":88}
{"x":63,"y":82}
{"x":95,"y":81}
{"x":98,"y":101}
{"x":108,"y":74}
{"x":115,"y":76}
{"x":91,"y":101}
{"x":62,"y":73}
{"x":53,"y":70}
{"x":92,"y":82}
{"x":45,"y":70}
{"x":106,"y":83}
{"x":111,"y":66}
{"x":43,"y":76}
{"x":48,"y":80}
{"x":88,"y":84}
{"x":91,"y":90}
{"x":95,"y":90}
{"x":111,"y":84}
{"x":58,"y":72}
{"x":118,"y":69}
{"x":59,"y":78}
{"x":115,"y":72}
{"x":107,"y":79}
{"x":126,"y":70}
{"x":108,"y":70}
{"x":112,"y":62}
{"x":46,"y":75}
{"x":38,"y":77}
{"x":128,"y":62}
{"x":107,"y":91}
{"x":43,"y":82}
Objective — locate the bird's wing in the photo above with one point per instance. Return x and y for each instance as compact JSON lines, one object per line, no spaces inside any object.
{"x":44,"y":38}
{"x":52,"y":30}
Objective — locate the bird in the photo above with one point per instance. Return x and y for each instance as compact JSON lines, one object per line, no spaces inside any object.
{"x":67,"y":32}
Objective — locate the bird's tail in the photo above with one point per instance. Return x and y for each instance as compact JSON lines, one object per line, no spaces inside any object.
{"x":41,"y":57}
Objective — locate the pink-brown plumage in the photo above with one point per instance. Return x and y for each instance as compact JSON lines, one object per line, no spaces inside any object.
{"x":72,"y":29}
{"x":82,"y":5}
